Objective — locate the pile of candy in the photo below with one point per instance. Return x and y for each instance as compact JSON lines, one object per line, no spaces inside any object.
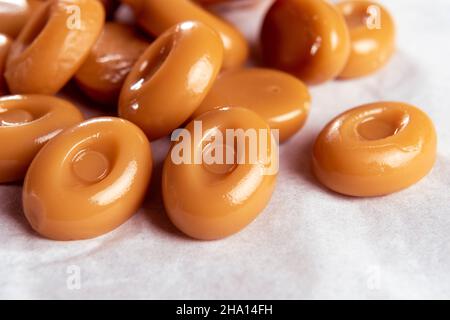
{"x":179,"y":70}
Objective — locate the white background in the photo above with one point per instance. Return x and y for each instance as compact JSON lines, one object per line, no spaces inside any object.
{"x":308,"y":243}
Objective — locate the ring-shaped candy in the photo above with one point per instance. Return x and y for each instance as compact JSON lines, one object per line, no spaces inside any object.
{"x":157,"y":16}
{"x":27,"y":123}
{"x":88,"y":180}
{"x":375,"y":149}
{"x":171,"y":78}
{"x":279,"y":98}
{"x":307,"y":38}
{"x":211,"y":200}
{"x":372,"y":34}
{"x":53,"y":45}
{"x":112,"y":57}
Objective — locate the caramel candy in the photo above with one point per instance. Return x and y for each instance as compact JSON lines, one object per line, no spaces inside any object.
{"x":102,"y":74}
{"x":307,"y":38}
{"x":279,"y":98}
{"x":27,"y":123}
{"x":88,"y":180}
{"x":171,"y":78}
{"x":372,"y":33}
{"x":214,"y":199}
{"x":53,"y":45}
{"x":5,"y":44}
{"x":157,"y":16}
{"x":14,"y":14}
{"x":375,"y":149}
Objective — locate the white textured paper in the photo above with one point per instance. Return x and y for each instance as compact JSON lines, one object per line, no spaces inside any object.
{"x":308,"y":243}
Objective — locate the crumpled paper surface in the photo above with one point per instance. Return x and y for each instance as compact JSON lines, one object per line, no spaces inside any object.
{"x":308,"y":243}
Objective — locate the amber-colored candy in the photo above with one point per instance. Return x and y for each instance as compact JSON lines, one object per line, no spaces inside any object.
{"x":279,"y":98}
{"x":171,"y":78}
{"x":88,"y":180}
{"x":53,"y":45}
{"x":102,"y":74}
{"x":14,"y":14}
{"x":212,"y":199}
{"x":372,"y":33}
{"x":157,"y":16}
{"x":308,"y":38}
{"x":27,"y":123}
{"x":5,"y":44}
{"x":375,"y":149}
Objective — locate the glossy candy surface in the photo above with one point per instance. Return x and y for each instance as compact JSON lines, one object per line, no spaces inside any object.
{"x":5,"y":44}
{"x":279,"y":98}
{"x":171,"y":78}
{"x":307,"y":38}
{"x":53,"y":45}
{"x":375,"y":149}
{"x":102,"y":74}
{"x":212,"y":200}
{"x":100,"y":169}
{"x":15,"y":13}
{"x":27,"y":123}
{"x":157,"y":16}
{"x":372,"y":33}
